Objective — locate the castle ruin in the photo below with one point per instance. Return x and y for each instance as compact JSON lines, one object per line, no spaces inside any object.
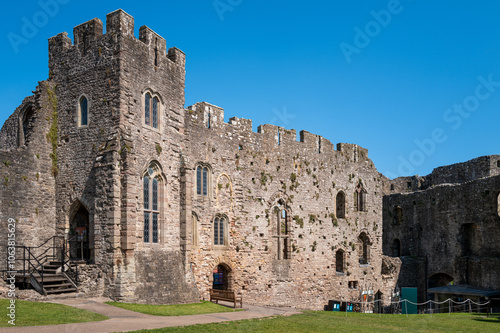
{"x":168,"y":202}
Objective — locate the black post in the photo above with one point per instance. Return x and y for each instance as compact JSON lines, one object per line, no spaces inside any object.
{"x":63,"y":252}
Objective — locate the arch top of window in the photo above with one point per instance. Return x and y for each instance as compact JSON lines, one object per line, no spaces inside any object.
{"x":364,"y":237}
{"x":203,"y":165}
{"x":154,"y":170}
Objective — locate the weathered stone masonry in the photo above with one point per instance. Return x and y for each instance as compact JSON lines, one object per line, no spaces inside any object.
{"x":445,"y":226}
{"x":251,"y":173}
{"x":171,"y":196}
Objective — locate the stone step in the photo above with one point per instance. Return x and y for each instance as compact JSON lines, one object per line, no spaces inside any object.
{"x":60,"y":291}
{"x":57,"y":286}
{"x":53,"y":279}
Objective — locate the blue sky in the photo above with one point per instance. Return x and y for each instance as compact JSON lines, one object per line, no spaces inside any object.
{"x":416,"y":82}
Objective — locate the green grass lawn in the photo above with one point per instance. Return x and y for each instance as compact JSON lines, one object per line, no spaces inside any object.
{"x":316,"y":321}
{"x":37,"y":313}
{"x":174,"y":310}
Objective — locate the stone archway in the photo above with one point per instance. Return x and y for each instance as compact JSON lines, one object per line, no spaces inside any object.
{"x":377,"y":306}
{"x":439,"y":280}
{"x":221,"y":275}
{"x":80,"y":235}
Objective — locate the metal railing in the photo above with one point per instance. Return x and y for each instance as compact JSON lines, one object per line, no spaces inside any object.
{"x":56,"y":249}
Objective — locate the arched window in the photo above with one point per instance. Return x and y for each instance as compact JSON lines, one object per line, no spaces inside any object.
{"x":281,"y":232}
{"x":83,"y":112}
{"x":152,"y":199}
{"x":398,"y":215}
{"x":151,"y":110}
{"x":27,"y":118}
{"x":340,"y":205}
{"x":339,"y":261}
{"x":396,"y":248}
{"x":203,"y":178}
{"x":25,"y":125}
{"x":360,"y":198}
{"x":363,"y":249}
{"x":220,"y":230}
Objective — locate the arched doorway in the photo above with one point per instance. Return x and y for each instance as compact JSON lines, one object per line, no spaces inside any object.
{"x":79,"y":234}
{"x":377,"y":306}
{"x":439,"y":280}
{"x":221,"y":277}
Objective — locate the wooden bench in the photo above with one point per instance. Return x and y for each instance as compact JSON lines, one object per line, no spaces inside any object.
{"x":225,"y":295}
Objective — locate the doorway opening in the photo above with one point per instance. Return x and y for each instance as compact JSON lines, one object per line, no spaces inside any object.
{"x":221,"y":277}
{"x":79,"y":235}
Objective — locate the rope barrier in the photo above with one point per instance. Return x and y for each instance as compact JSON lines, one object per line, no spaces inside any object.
{"x":427,"y":302}
{"x":464,"y":306}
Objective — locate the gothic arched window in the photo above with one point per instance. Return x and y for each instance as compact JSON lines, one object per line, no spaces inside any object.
{"x":281,"y":231}
{"x":363,"y":249}
{"x":339,"y":261}
{"x":340,"y":203}
{"x":151,"y":110}
{"x":360,"y":198}
{"x":83,"y":112}
{"x":203,"y":179}
{"x":220,"y":230}
{"x":152,"y":203}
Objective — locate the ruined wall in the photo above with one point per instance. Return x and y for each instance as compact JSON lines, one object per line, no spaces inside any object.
{"x":27,"y":191}
{"x":250,"y":173}
{"x":452,"y":227}
{"x":481,"y":167}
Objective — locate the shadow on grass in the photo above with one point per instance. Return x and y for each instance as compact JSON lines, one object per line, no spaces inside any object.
{"x":487,"y":318}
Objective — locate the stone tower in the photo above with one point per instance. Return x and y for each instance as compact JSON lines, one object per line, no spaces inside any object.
{"x":107,"y":145}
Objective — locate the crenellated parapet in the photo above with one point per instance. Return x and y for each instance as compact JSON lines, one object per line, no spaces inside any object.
{"x":90,"y":41}
{"x":206,"y":116}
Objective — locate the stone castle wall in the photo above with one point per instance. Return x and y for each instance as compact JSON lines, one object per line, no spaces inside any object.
{"x":453,"y":228}
{"x":27,"y":182}
{"x":250,"y":173}
{"x":53,"y":172}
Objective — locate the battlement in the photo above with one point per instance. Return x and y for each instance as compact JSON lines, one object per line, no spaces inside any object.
{"x":86,"y":33}
{"x":211,"y":117}
{"x":120,"y":23}
{"x":119,"y":27}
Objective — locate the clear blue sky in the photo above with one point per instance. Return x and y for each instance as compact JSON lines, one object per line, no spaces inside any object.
{"x":305,"y":65}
